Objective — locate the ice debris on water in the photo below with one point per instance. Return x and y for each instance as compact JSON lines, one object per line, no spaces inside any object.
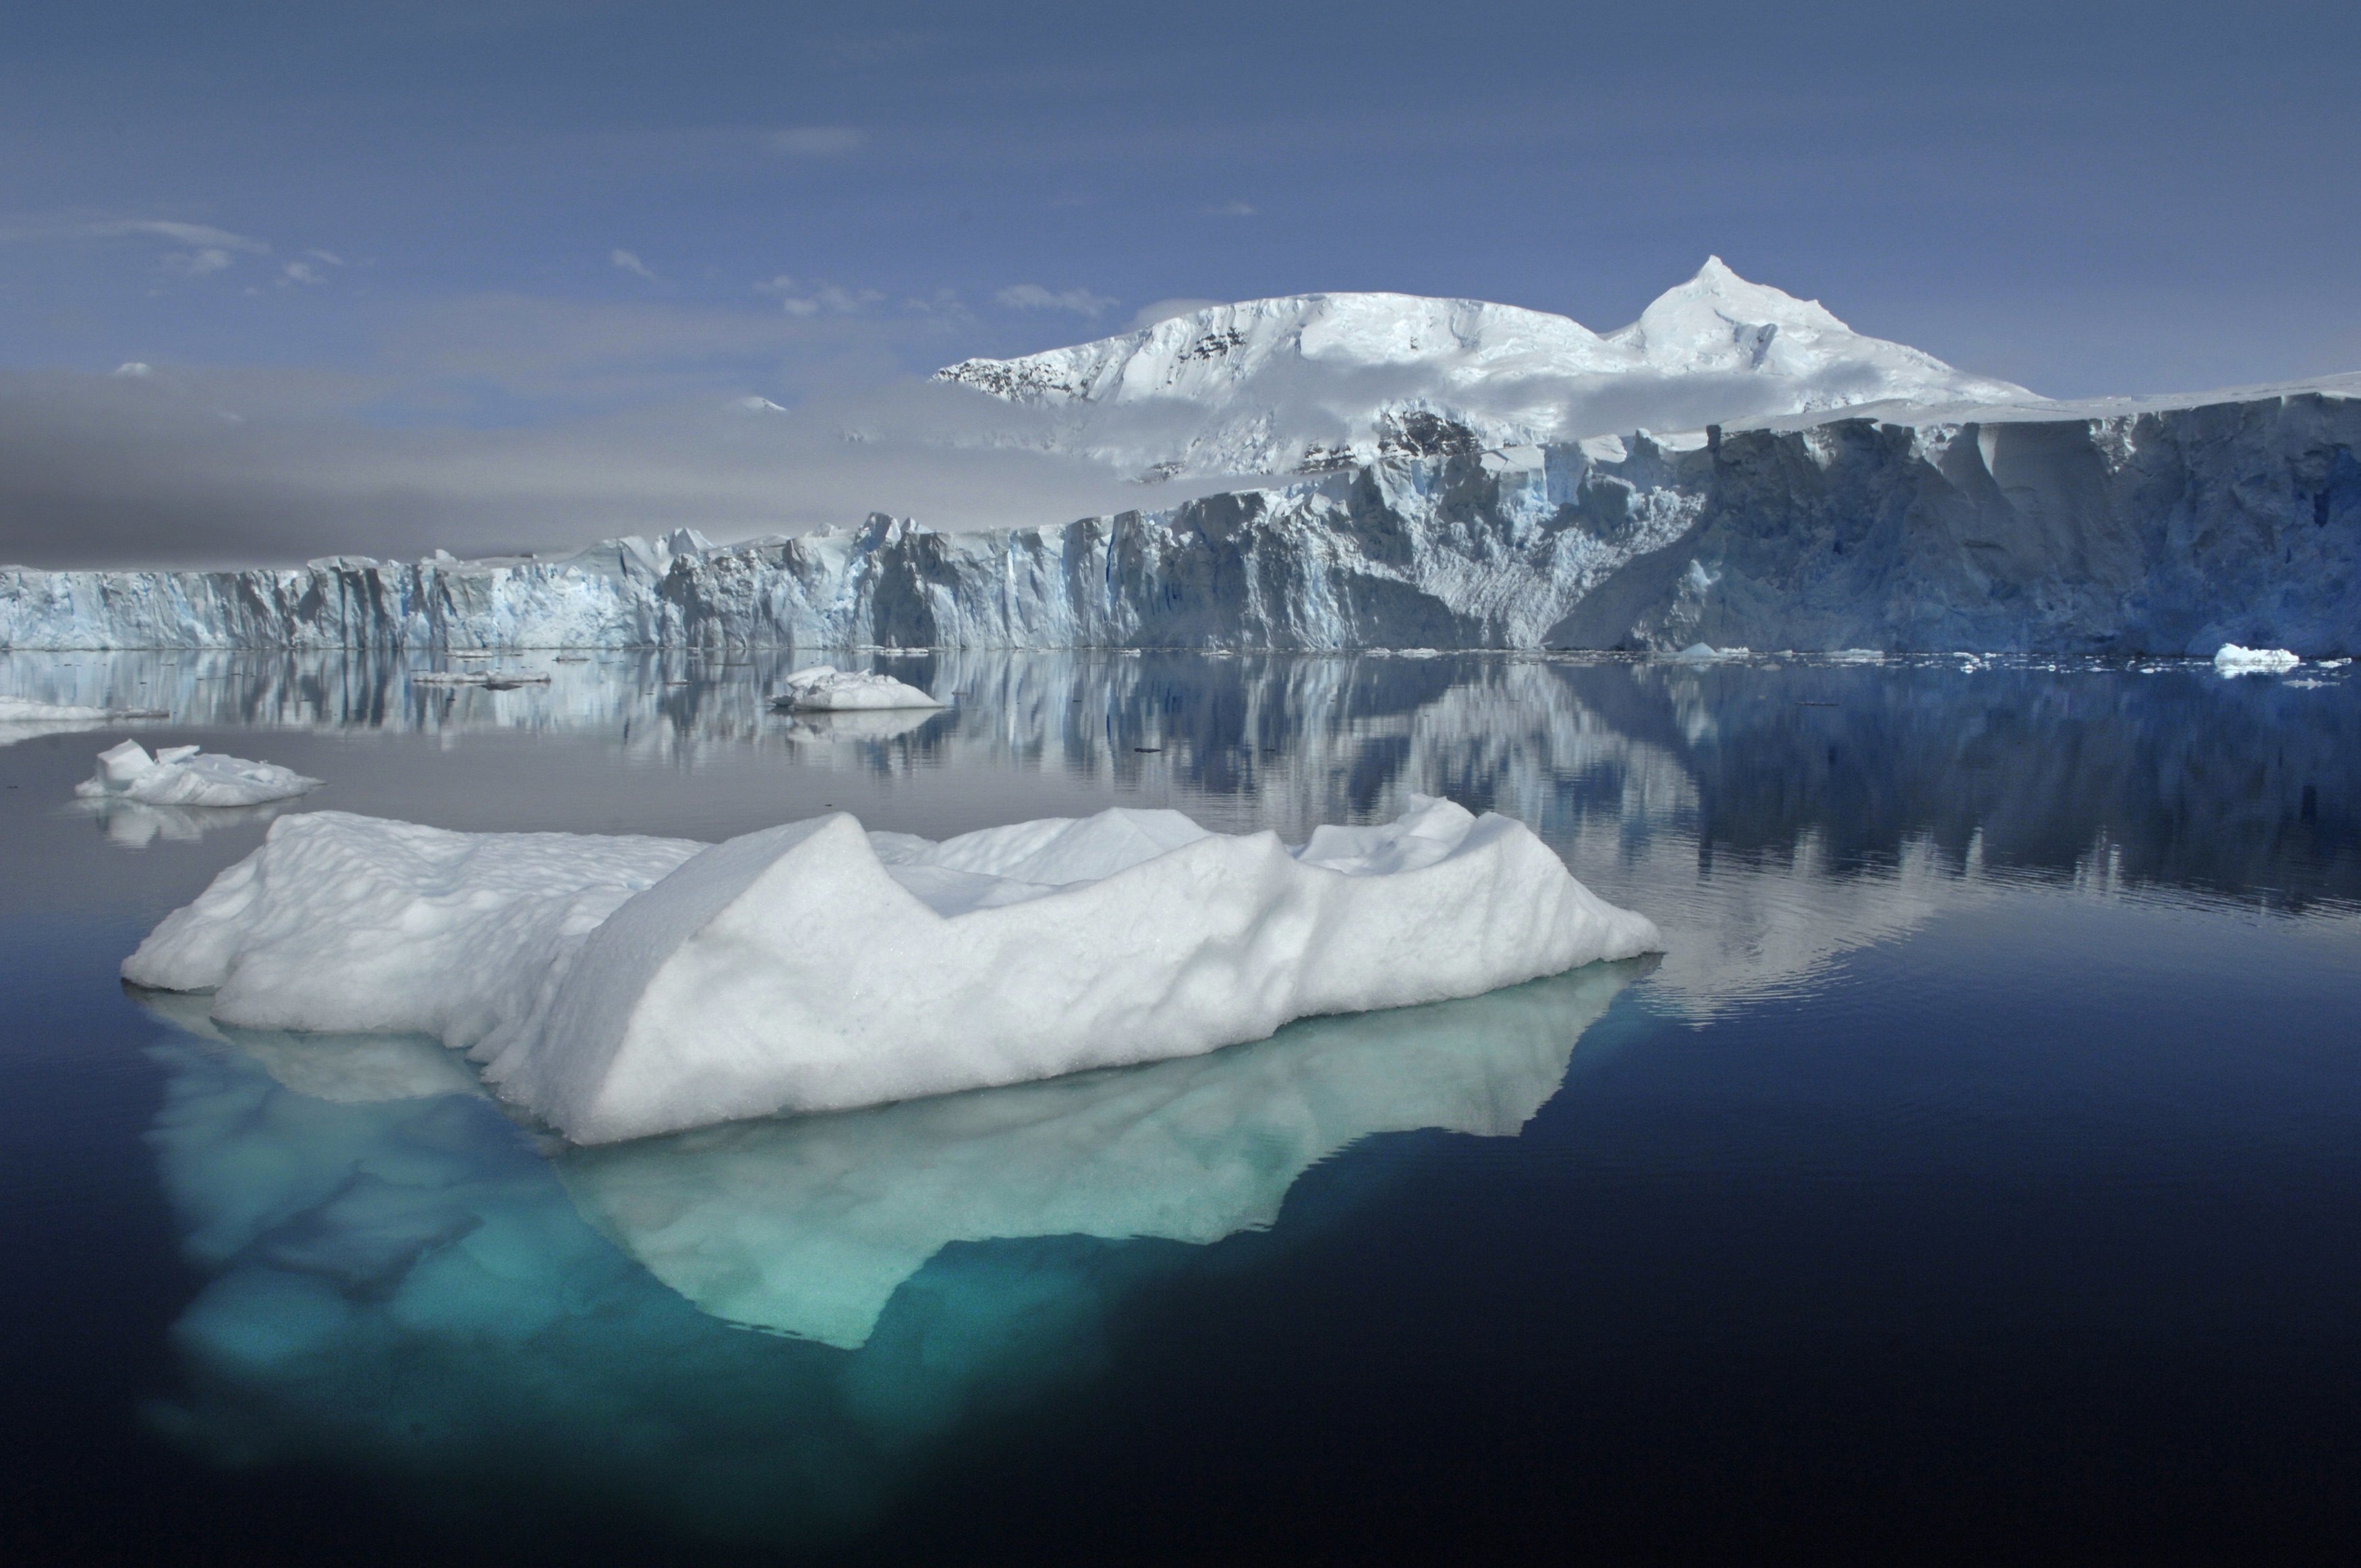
{"x":2232,"y":660}
{"x":824,"y":688}
{"x":622,"y":987}
{"x":183,"y":776}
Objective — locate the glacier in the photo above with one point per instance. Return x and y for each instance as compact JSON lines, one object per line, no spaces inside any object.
{"x":2163,"y":526}
{"x":619,"y":986}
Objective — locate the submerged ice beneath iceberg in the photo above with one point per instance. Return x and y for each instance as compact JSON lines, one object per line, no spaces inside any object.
{"x":618,"y":988}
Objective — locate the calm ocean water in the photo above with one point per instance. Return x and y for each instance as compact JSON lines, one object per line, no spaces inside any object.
{"x":1978,"y":1174}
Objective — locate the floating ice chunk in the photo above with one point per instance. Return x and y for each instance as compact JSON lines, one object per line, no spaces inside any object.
{"x":345,"y":924}
{"x":825,"y":688}
{"x":817,"y":966}
{"x":808,"y":1224}
{"x":183,"y":775}
{"x":2232,"y":660}
{"x":1707,"y":653}
{"x":24,"y":718}
{"x":792,"y":970}
{"x":1856,"y":656}
{"x":24,"y":710}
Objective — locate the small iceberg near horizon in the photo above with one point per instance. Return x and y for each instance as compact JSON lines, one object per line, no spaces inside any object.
{"x":622,"y":987}
{"x":185,"y":776}
{"x":2232,"y":660}
{"x":824,"y":688}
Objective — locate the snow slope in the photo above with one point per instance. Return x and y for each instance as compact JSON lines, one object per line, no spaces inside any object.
{"x":622,"y":987}
{"x":1313,"y":382}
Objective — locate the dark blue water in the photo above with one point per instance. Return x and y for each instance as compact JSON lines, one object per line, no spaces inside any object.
{"x":1978,"y":1176}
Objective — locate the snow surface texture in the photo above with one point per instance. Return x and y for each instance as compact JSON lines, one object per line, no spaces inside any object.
{"x":824,"y":688}
{"x":183,"y":775}
{"x":817,"y":966}
{"x":2232,"y":660}
{"x":2166,"y":527}
{"x":1316,"y":381}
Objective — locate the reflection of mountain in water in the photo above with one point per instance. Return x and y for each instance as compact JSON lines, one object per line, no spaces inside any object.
{"x":809,"y":1225}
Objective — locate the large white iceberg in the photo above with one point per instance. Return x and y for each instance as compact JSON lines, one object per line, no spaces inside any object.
{"x":183,"y":776}
{"x":618,"y":988}
{"x":824,"y":688}
{"x":2232,"y":660}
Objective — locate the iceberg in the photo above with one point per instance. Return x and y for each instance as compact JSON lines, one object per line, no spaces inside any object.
{"x":2232,"y":660}
{"x":824,"y":688}
{"x":621,"y":987}
{"x":183,"y":776}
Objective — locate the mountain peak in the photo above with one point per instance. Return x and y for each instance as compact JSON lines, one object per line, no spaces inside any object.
{"x":1279,"y":384}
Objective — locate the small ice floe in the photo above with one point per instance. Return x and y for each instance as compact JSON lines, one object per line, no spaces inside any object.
{"x":824,"y":688}
{"x":1707,"y":653}
{"x":2232,"y":660}
{"x":617,"y":988}
{"x":1856,"y":656}
{"x":22,"y":719}
{"x":183,"y":775}
{"x":2333,"y":663}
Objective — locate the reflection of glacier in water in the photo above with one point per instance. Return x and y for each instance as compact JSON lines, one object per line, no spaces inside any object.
{"x":1771,"y":815}
{"x":400,"y":1278}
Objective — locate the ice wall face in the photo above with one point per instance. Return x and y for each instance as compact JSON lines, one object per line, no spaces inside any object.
{"x":2169,"y":529}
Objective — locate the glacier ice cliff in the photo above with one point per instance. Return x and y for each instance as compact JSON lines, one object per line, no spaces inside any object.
{"x":2171,"y":526}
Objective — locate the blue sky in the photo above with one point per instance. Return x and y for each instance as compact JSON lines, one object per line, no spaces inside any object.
{"x":444,"y":221}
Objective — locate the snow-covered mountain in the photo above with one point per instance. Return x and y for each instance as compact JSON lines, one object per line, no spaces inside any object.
{"x":1309,"y":382}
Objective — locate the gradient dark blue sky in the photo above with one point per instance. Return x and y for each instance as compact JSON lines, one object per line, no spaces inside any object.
{"x":479,"y":213}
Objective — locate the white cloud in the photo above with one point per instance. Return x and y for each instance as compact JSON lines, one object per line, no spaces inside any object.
{"x":330,"y":257}
{"x":1232,"y":210}
{"x":1165,"y":310}
{"x":301,"y":272}
{"x":819,"y":299}
{"x":204,"y":248}
{"x":629,"y":262}
{"x":195,"y":263}
{"x":133,"y":371}
{"x":816,"y":141}
{"x":1033,"y":297}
